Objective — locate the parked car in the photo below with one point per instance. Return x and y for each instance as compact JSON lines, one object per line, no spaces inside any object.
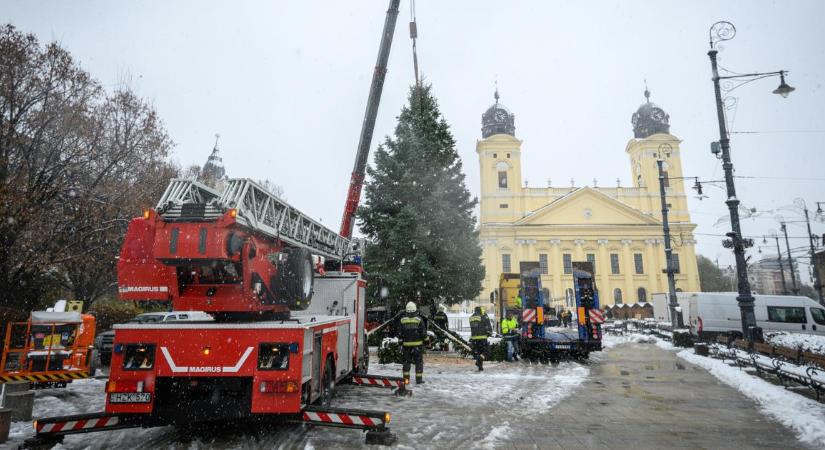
{"x":104,"y":340}
{"x":718,"y":312}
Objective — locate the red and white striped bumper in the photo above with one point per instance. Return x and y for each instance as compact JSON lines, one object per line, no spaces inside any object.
{"x":388,"y":382}
{"x":77,"y":425}
{"x":367,"y":420}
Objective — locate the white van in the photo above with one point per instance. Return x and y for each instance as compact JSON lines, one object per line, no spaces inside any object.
{"x":718,"y":312}
{"x":174,"y":316}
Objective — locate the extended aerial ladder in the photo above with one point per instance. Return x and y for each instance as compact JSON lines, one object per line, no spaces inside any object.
{"x":356,"y":182}
{"x":255,"y":208}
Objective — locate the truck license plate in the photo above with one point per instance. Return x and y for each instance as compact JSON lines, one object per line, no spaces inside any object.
{"x":130,"y":397}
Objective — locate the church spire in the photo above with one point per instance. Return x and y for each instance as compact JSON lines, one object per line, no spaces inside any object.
{"x":647,"y":93}
{"x":213,"y":170}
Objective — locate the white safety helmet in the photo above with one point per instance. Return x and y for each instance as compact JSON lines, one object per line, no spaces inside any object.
{"x":411,"y":307}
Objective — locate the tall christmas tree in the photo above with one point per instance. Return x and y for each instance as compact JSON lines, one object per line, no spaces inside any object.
{"x":418,"y":213}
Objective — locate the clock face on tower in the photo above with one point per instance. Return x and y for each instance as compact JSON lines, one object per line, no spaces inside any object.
{"x":657,"y":114}
{"x":635,"y":119}
{"x":501,"y":116}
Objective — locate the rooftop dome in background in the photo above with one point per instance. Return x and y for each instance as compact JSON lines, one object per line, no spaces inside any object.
{"x":497,"y":120}
{"x":649,"y":119}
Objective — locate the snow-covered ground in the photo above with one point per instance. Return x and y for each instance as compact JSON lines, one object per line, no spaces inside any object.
{"x":457,"y":407}
{"x":609,"y":340}
{"x":808,"y":342}
{"x":804,"y":416}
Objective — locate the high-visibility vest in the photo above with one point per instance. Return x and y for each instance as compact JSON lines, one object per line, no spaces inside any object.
{"x":508,"y":325}
{"x":477,"y":329}
{"x":412,"y":331}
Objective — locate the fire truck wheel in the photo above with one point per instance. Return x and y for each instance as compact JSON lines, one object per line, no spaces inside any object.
{"x":327,"y":384}
{"x":366,"y":364}
{"x":295,"y":279}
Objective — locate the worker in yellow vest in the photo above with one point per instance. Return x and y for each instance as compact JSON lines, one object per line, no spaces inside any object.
{"x":509,"y":329}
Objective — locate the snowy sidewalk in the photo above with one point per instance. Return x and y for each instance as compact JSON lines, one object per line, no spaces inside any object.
{"x":643,"y":396}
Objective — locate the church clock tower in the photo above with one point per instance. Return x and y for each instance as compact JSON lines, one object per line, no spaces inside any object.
{"x":499,"y":155}
{"x":652,"y":141}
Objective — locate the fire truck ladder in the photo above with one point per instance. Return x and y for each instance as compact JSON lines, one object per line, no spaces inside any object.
{"x":257,"y":208}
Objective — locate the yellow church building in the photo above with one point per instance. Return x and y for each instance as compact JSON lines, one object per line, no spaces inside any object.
{"x":618,"y":229}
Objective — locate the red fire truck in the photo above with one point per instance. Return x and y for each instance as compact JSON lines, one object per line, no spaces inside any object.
{"x":287,"y":295}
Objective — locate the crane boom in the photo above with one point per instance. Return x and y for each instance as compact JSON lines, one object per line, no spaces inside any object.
{"x":368,"y":126}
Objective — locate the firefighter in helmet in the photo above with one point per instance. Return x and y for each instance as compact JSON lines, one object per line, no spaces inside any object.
{"x":413,"y":330}
{"x":440,"y":318}
{"x":480,"y":329}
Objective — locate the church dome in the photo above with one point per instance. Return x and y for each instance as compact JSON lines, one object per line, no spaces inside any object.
{"x":497,"y":120}
{"x":213,"y":169}
{"x":649,"y":119}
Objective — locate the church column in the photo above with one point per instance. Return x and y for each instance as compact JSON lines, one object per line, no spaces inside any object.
{"x":603,"y":274}
{"x":660,"y":256}
{"x":650,"y":267}
{"x":629,"y":294}
{"x":556,"y":267}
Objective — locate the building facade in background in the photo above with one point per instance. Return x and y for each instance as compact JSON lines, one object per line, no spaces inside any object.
{"x":766,"y":277}
{"x":618,"y":229}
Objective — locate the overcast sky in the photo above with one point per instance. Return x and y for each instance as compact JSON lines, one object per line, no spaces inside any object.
{"x":285,"y":85}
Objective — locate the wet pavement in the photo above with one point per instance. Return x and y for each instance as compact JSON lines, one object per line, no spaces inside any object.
{"x":634,"y":395}
{"x":641,"y":396}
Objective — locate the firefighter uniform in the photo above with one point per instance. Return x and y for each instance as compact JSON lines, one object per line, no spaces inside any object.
{"x":440,"y":318}
{"x":480,"y":329}
{"x":413,"y":331}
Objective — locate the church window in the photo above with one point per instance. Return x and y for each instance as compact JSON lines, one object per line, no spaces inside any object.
{"x":614,"y":263}
{"x":567,"y":260}
{"x":503,"y":205}
{"x":505,"y":263}
{"x":642,"y":295}
{"x":502,"y":179}
{"x":495,"y":155}
{"x":617,"y":296}
{"x":508,"y":156}
{"x":674,"y":258}
{"x":591,"y":258}
{"x":543,"y":263}
{"x":640,"y":265}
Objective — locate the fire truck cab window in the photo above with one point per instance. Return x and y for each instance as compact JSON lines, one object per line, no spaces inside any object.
{"x":138,"y":356}
{"x":273,"y":357}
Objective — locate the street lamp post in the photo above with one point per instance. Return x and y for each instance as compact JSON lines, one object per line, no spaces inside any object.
{"x":817,"y":281}
{"x":675,"y":316}
{"x":724,"y":31}
{"x":781,"y":267}
{"x":795,"y":288}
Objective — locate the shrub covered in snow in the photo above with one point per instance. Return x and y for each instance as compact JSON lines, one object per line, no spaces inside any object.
{"x":390,"y":351}
{"x":809,"y":342}
{"x":682,"y":338}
